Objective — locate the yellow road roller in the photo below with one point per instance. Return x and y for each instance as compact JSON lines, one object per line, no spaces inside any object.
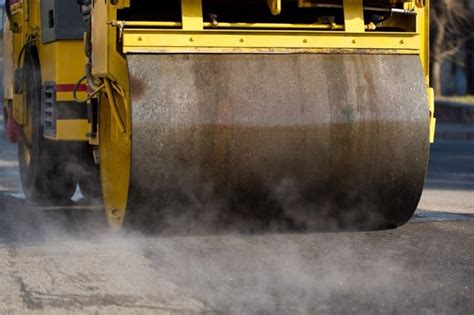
{"x":306,"y":108}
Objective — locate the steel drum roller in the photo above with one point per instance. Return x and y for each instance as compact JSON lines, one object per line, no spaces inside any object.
{"x":313,"y":134}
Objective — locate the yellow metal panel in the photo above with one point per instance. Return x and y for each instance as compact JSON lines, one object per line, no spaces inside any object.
{"x":8,"y":61}
{"x":275,"y":6}
{"x":423,"y":28}
{"x":62,"y":62}
{"x":106,"y":58}
{"x":18,"y":40}
{"x":431,"y":105}
{"x":143,"y":40}
{"x":19,"y":110}
{"x":47,"y":55}
{"x":191,"y":11}
{"x":123,"y":4}
{"x":100,"y":38}
{"x":70,"y":61}
{"x":354,"y":16}
{"x":72,"y":130}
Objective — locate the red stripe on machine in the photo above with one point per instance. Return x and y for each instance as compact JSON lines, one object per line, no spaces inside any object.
{"x":70,"y":88}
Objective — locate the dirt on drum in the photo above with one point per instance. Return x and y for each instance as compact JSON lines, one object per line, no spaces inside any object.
{"x":341,"y":135}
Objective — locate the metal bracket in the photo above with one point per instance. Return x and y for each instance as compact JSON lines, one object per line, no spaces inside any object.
{"x":431,"y":106}
{"x":275,"y":6}
{"x":48,"y":105}
{"x":192,"y":15}
{"x":354,"y":16}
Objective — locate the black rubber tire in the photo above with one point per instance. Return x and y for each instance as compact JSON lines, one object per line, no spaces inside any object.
{"x":45,"y":175}
{"x":89,"y":175}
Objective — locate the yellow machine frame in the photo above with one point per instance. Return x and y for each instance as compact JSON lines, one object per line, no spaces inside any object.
{"x":112,"y":39}
{"x":58,"y":63}
{"x":193,"y":35}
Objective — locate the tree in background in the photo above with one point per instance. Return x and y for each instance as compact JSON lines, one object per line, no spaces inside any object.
{"x":470,"y":65}
{"x":452,"y":27}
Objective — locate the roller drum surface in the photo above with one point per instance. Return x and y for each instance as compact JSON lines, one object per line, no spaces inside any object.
{"x":313,"y":135}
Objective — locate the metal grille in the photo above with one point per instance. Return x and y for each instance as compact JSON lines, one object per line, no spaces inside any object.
{"x":49,"y":116}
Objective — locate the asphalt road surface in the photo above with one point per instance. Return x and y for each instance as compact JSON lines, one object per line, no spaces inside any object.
{"x":63,"y":260}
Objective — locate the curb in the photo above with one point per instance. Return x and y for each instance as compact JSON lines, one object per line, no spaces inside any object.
{"x":455,"y":121}
{"x":454,"y":131}
{"x":454,"y":113}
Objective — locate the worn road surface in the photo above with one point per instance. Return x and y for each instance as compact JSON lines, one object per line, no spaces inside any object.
{"x":64,"y":260}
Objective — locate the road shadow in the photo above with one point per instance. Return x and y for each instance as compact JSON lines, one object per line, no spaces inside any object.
{"x":28,"y":225}
{"x":25,"y":223}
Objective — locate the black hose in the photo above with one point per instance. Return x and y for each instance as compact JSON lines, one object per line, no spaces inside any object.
{"x":383,"y":18}
{"x":23,"y":65}
{"x":88,"y":51}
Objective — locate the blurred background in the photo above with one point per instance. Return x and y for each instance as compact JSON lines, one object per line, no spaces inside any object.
{"x":2,"y":12}
{"x":452,"y":47}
